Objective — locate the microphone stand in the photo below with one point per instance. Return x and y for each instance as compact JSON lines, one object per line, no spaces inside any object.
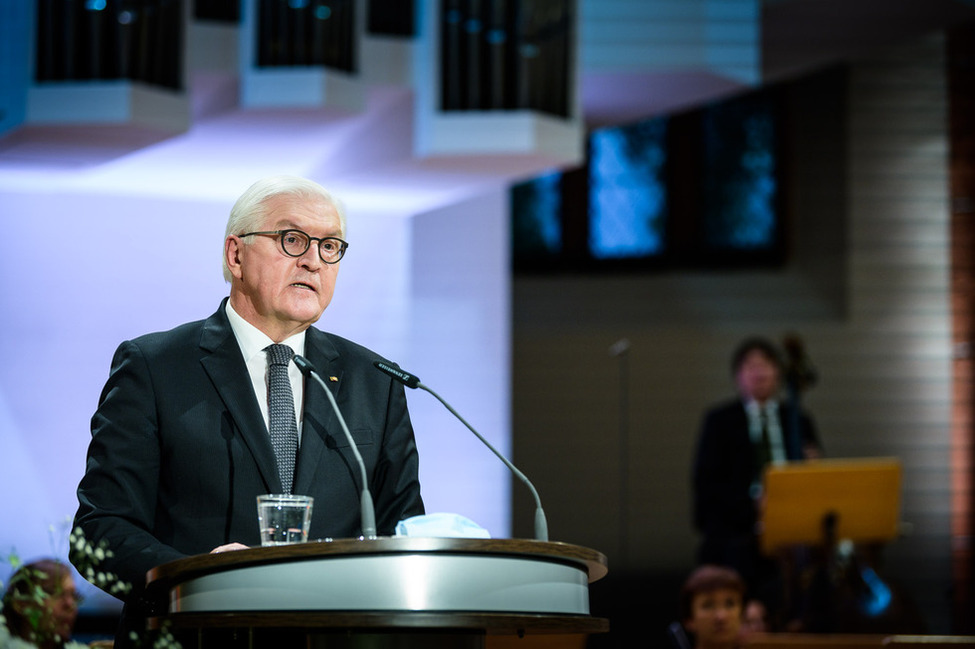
{"x":368,"y":512}
{"x":620,"y":349}
{"x":541,"y":524}
{"x":412,"y":381}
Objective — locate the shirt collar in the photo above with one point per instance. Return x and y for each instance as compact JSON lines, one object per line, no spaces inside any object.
{"x":252,"y":340}
{"x":752,"y":407}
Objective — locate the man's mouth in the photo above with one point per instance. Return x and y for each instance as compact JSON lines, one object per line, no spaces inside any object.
{"x":303,"y":285}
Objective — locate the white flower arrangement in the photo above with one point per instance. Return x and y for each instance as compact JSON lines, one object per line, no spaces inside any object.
{"x":86,"y":558}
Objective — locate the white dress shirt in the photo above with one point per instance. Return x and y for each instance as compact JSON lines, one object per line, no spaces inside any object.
{"x":774,"y":427}
{"x":252,"y":342}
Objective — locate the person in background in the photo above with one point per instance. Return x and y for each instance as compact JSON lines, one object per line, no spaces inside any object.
{"x":755,"y":618}
{"x":711,"y":602}
{"x":738,"y":439}
{"x":40,"y":604}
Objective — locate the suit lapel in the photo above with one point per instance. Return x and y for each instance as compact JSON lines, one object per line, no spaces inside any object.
{"x":225,"y":366}
{"x":319,"y":420}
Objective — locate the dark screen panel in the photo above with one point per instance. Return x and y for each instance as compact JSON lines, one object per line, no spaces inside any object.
{"x":536,"y":220}
{"x":391,"y":17}
{"x":87,"y":40}
{"x":294,"y":33}
{"x":740,"y":174}
{"x":506,"y":55}
{"x":224,"y":11}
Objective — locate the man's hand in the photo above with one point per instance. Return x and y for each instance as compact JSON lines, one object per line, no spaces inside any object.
{"x":229,"y":548}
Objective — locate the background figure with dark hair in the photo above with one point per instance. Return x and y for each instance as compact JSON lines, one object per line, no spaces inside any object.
{"x":738,"y":439}
{"x":754,"y":618}
{"x":710,"y":606}
{"x":41,"y":603}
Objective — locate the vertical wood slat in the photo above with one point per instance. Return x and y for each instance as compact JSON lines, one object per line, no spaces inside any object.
{"x":961,"y":124}
{"x":896,"y":229}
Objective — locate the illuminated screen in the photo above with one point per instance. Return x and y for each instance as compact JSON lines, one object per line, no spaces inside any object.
{"x":628,"y":191}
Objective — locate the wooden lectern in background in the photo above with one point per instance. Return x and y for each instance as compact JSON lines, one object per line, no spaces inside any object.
{"x":859,"y":497}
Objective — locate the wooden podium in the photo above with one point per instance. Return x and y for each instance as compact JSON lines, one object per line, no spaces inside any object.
{"x":395,"y":592}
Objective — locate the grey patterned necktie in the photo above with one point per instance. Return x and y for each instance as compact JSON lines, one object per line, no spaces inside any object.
{"x":281,"y":411}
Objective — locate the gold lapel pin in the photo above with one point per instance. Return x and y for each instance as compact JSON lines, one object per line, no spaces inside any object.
{"x":333,"y":379}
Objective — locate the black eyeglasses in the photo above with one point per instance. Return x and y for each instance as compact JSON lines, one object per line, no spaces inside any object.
{"x":295,"y":243}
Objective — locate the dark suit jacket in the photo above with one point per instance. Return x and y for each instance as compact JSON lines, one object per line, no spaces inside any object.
{"x":724,"y":467}
{"x":180,"y":451}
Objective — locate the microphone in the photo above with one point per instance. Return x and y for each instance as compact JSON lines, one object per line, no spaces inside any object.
{"x":367,"y":509}
{"x":412,"y":381}
{"x":620,"y":347}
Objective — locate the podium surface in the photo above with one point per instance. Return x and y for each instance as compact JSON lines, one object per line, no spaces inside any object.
{"x":396,"y":588}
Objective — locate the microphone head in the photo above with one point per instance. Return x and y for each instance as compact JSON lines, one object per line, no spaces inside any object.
{"x":303,"y":364}
{"x":620,"y":347}
{"x":405,"y":378}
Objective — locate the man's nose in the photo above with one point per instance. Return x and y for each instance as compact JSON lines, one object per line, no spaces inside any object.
{"x":311,"y":258}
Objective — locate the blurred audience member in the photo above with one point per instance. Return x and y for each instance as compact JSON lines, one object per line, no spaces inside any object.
{"x":41,"y":603}
{"x":711,"y":604}
{"x":755,"y":618}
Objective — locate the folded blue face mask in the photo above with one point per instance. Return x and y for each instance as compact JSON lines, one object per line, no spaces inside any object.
{"x":441,"y":525}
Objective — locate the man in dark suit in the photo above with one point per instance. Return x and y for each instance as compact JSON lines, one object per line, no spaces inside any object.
{"x":180,"y":440}
{"x":738,"y":439}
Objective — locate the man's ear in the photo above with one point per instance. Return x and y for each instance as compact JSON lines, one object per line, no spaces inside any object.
{"x":231,"y":251}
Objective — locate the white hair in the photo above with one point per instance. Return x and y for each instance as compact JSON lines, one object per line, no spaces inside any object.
{"x":249,"y":212}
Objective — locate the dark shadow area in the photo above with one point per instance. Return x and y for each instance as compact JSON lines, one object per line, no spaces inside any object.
{"x":639,"y":606}
{"x":92,"y":627}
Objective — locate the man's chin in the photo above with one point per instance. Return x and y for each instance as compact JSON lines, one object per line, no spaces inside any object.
{"x":308,"y":315}
{"x":306,"y":306}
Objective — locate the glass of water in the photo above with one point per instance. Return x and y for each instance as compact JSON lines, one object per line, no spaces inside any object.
{"x":284,"y":518}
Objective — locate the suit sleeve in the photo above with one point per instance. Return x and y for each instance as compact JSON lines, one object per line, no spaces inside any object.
{"x":117,"y":495}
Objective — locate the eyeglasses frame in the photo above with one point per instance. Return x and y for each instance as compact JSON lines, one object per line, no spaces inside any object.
{"x":343,"y":245}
